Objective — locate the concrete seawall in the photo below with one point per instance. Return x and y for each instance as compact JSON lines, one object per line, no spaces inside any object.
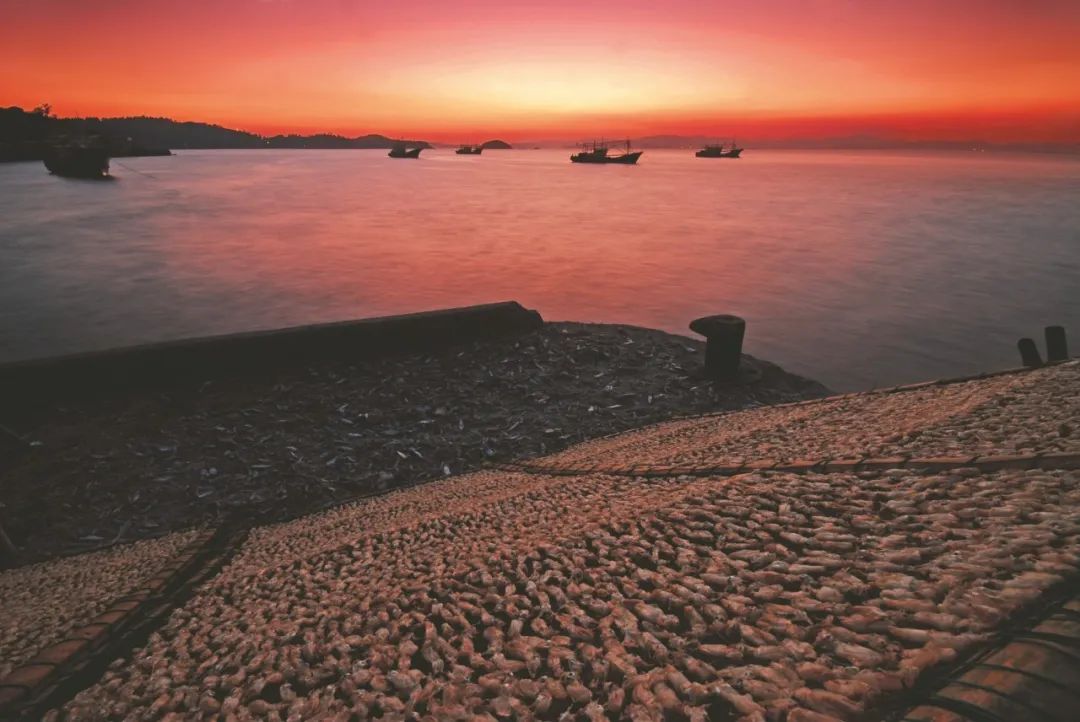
{"x":160,"y":365}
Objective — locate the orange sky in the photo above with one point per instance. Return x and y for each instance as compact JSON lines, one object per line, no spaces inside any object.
{"x":997,"y":70}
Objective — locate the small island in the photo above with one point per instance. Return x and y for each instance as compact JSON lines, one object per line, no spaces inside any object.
{"x":497,"y":145}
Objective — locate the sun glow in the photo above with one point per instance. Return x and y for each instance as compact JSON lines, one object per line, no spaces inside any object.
{"x":558,"y":68}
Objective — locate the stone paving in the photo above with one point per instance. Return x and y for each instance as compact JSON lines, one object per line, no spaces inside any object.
{"x":44,"y":602}
{"x":506,"y":595}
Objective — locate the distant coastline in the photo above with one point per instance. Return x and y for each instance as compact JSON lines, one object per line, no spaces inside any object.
{"x":842,"y":143}
{"x":24,"y":135}
{"x":858,"y":142}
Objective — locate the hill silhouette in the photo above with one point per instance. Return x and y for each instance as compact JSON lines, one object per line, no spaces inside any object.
{"x":328,"y":141}
{"x":24,"y":135}
{"x":497,"y":145}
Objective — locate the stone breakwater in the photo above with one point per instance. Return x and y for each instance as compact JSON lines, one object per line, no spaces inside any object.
{"x":510,"y":595}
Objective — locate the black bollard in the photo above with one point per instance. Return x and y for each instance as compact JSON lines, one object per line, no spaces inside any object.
{"x":1029,"y":353}
{"x":1056,"y":348}
{"x":723,"y":348}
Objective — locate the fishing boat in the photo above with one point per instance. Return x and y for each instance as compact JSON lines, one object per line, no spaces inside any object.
{"x":470,"y":150}
{"x":597,"y":152}
{"x":77,"y":161}
{"x":719,"y":151}
{"x":401,"y":150}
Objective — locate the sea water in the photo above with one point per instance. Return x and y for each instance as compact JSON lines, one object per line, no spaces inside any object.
{"x":859,"y":269}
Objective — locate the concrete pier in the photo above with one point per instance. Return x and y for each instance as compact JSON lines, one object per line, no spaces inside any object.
{"x":161,"y":365}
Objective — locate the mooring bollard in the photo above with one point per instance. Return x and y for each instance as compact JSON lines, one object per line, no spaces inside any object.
{"x":723,"y":347}
{"x":1056,"y":348}
{"x":1029,"y":353}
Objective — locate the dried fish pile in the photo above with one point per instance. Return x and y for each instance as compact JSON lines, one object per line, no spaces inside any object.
{"x":1040,"y":413}
{"x":1010,"y":414}
{"x":809,"y":598}
{"x":43,"y":602}
{"x":272,"y":449}
{"x":283,"y":544}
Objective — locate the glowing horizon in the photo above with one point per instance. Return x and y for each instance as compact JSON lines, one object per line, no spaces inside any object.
{"x":529,"y":71}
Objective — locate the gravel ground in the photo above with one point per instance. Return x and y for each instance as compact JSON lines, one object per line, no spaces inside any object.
{"x":764,"y":596}
{"x":43,"y":602}
{"x":1010,"y":414}
{"x":272,"y":449}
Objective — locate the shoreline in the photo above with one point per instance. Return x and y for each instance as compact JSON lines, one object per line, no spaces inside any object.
{"x":139,"y":465}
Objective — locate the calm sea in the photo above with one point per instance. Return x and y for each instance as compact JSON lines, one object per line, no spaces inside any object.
{"x":858,"y":269}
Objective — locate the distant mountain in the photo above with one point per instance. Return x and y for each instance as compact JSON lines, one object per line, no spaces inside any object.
{"x":325,"y":141}
{"x":676,"y":141}
{"x":25,"y":134}
{"x":853,"y":142}
{"x":849,"y":142}
{"x":174,"y":134}
{"x":372,"y":140}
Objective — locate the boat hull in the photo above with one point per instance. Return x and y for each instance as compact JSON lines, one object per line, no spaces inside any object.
{"x":707,"y":153}
{"x":469,"y":151}
{"x":77,"y":162}
{"x":625,"y":159}
{"x":410,"y":153}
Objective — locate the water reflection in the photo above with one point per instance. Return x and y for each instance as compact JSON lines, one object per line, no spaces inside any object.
{"x":857,"y":269}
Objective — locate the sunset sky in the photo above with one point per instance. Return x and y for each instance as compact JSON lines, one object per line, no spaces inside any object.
{"x":999,"y":70}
